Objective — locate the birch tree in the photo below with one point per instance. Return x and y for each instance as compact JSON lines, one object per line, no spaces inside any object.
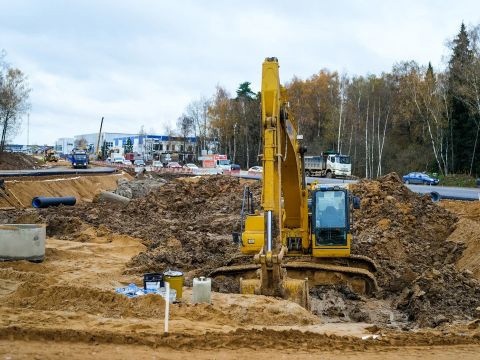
{"x":14,"y":100}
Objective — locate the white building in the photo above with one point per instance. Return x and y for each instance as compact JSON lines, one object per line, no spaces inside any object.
{"x":148,"y":145}
{"x":106,"y":138}
{"x":64,"y":145}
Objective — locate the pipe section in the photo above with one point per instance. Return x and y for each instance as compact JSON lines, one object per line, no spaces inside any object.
{"x":44,"y":202}
{"x":112,"y":198}
{"x":437,"y":197}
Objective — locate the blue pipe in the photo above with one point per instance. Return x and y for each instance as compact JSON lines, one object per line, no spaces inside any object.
{"x":43,"y":202}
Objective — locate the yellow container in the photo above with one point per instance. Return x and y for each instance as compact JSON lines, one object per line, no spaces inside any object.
{"x":175,"y":279}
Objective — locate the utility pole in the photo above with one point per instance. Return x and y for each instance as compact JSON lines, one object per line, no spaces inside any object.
{"x":28,"y":130}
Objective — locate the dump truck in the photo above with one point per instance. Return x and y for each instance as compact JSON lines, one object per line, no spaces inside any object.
{"x":79,"y":159}
{"x":328,"y":164}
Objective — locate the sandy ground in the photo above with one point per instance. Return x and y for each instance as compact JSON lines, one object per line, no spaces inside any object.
{"x":66,"y":307}
{"x":19,"y":192}
{"x":37,"y":350}
{"x":68,"y":300}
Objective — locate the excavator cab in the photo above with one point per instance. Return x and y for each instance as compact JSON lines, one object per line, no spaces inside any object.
{"x":331,"y":226}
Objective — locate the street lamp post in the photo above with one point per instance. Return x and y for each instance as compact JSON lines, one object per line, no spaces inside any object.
{"x":234,"y":143}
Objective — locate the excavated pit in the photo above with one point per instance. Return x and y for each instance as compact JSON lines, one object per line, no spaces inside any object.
{"x":186,"y":224}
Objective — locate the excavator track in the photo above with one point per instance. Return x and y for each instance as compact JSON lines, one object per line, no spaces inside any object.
{"x":359,"y":279}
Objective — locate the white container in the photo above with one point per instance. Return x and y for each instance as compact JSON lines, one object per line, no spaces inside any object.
{"x":22,"y":242}
{"x":202,"y":290}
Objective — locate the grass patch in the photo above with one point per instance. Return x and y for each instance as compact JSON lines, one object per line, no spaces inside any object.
{"x":460,"y":180}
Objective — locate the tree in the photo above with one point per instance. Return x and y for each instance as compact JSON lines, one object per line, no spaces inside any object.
{"x":81,"y":143}
{"x":244,"y":91}
{"x":469,"y":91}
{"x":185,"y":126}
{"x":128,"y":147}
{"x":14,"y":96}
{"x":463,"y":128}
{"x":198,"y":111}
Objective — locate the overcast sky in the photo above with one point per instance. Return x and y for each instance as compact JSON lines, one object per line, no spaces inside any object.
{"x":141,"y":62}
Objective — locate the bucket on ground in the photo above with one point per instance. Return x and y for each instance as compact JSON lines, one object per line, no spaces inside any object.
{"x":153,"y":281}
{"x":202,"y":290}
{"x":175,"y":279}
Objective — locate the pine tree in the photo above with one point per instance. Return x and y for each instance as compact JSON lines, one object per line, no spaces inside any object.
{"x":463,"y":126}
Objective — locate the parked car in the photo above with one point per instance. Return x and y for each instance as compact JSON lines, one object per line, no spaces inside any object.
{"x":127,"y":162}
{"x":174,"y":165}
{"x":235,"y":167}
{"x":258,"y":169}
{"x":190,"y":166}
{"x":139,"y":163}
{"x":157,"y":164}
{"x":420,"y":178}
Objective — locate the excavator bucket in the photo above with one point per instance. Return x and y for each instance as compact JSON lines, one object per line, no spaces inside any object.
{"x":291,"y":289}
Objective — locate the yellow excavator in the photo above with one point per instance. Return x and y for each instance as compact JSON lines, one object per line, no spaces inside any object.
{"x":301,"y":236}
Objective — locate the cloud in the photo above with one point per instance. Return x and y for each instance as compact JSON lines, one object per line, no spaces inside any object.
{"x":141,"y":63}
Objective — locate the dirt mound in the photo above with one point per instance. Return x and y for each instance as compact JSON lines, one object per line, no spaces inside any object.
{"x":139,"y":188}
{"x":18,"y":161}
{"x":19,"y":193}
{"x":91,"y":301}
{"x":186,"y":223}
{"x":466,"y":233}
{"x":407,"y":235}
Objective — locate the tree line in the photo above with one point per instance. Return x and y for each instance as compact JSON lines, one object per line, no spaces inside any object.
{"x":413,"y":118}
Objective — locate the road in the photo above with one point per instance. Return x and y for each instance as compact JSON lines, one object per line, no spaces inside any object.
{"x":57,"y":170}
{"x":439,"y":192}
{"x":445,"y":192}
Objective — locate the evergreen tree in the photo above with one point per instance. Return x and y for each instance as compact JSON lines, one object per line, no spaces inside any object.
{"x":128,"y":147}
{"x":244,"y":91}
{"x":463,"y":126}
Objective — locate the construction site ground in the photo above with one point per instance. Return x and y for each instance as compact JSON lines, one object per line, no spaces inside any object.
{"x":66,"y":307}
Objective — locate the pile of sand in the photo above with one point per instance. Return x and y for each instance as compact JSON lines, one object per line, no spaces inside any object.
{"x":408,"y":236}
{"x":18,"y":161}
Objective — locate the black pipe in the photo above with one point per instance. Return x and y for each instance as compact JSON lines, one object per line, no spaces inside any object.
{"x":43,"y":202}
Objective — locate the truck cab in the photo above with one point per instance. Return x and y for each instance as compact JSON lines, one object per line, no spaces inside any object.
{"x":223,"y":164}
{"x":79,"y":159}
{"x":339,"y":165}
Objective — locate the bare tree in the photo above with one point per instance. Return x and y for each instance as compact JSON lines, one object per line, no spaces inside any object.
{"x":14,"y":95}
{"x":198,"y":111}
{"x":185,"y":126}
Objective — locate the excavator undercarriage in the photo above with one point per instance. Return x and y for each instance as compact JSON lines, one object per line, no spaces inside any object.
{"x":297,"y":275}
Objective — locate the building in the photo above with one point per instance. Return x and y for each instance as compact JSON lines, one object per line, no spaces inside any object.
{"x":153,"y":146}
{"x":90,"y":140}
{"x":150,"y":146}
{"x":64,"y":146}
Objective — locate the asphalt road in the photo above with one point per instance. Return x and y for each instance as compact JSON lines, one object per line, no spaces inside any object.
{"x":57,"y":170}
{"x":444,"y":192}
